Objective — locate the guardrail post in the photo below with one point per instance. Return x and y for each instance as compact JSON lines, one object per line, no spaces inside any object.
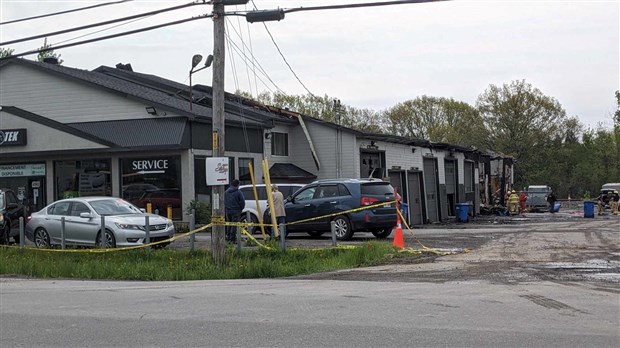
{"x":21,"y":232}
{"x":333,"y":224}
{"x":102,"y":239}
{"x":192,"y":226}
{"x":238,"y":233}
{"x":147,"y":229}
{"x":63,"y":245}
{"x":281,"y":228}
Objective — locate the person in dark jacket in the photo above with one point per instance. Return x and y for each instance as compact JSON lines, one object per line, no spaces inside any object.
{"x":551,"y":198}
{"x":234,"y":203}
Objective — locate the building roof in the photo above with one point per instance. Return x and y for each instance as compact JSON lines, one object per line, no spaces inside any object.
{"x":147,"y":93}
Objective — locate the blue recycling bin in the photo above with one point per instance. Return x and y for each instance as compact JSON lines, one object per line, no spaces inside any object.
{"x":588,"y":209}
{"x":404,"y":209}
{"x":462,"y":212}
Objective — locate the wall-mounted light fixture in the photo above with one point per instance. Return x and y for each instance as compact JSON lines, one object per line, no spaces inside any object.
{"x":152,"y":111}
{"x":268,"y":135}
{"x":372,"y":146}
{"x":413,"y":150}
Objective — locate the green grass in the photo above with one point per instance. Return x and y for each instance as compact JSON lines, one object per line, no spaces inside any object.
{"x":185,"y":265}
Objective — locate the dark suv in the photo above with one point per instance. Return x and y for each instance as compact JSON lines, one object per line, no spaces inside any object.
{"x":11,"y":209}
{"x":330,"y":197}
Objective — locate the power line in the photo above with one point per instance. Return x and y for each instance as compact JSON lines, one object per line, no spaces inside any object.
{"x":101,"y":30}
{"x":100,"y":23}
{"x":255,"y":64}
{"x":106,"y":37}
{"x":282,"y":55}
{"x":63,"y":12}
{"x":368,"y":4}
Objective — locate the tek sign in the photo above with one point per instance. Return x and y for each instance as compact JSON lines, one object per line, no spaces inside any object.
{"x":12,"y":137}
{"x":217,"y":171}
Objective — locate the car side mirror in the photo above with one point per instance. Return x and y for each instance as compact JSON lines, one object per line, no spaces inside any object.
{"x":289,"y":199}
{"x":86,"y":215}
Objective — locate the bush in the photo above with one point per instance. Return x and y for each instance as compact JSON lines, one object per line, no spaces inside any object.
{"x":203,"y":211}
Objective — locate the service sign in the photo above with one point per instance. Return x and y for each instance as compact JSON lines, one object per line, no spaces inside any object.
{"x":12,"y":137}
{"x":217,"y":171}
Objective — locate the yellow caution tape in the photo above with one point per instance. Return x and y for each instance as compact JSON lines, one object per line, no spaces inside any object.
{"x":434,"y":251}
{"x":107,"y":250}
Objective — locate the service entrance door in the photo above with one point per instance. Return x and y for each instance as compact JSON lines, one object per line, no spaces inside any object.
{"x":430,"y":188}
{"x":451,"y":186}
{"x":415,"y":198}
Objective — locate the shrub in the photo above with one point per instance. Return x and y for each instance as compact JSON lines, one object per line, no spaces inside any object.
{"x":203,"y":211}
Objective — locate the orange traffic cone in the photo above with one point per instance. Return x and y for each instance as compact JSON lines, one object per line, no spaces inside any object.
{"x":399,"y":241}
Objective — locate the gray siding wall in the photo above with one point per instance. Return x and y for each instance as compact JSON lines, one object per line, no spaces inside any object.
{"x":42,"y":138}
{"x":65,"y":100}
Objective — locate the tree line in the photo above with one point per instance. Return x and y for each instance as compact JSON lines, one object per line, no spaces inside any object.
{"x":515,"y":119}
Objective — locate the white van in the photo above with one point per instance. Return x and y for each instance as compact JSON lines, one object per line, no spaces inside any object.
{"x":250,"y":203}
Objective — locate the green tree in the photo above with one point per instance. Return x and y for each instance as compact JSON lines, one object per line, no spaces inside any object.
{"x":522,"y":122}
{"x":437,"y":119}
{"x":5,"y":52}
{"x":48,"y":53}
{"x":325,"y":108}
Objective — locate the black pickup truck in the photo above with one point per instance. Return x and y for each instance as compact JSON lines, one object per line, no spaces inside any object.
{"x":11,"y":209}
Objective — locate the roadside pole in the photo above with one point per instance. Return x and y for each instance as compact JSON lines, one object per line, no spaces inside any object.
{"x":218,"y":136}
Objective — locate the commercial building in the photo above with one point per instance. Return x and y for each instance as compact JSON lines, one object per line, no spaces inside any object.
{"x":68,"y":132}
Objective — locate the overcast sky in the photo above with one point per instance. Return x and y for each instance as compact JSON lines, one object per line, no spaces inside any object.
{"x":368,"y":57}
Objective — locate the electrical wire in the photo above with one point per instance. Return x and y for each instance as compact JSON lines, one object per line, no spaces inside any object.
{"x":368,"y":4}
{"x":101,"y":38}
{"x":63,"y":12}
{"x":256,"y":65}
{"x":254,"y":62}
{"x":64,"y":31}
{"x":235,"y":75}
{"x":284,"y":58}
{"x":101,"y":30}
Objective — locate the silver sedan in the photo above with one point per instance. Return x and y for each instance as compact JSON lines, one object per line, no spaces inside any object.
{"x":125,"y":224}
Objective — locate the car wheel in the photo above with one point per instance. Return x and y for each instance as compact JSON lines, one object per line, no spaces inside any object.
{"x":110,"y":241}
{"x":4,"y":235}
{"x":41,"y":238}
{"x":254,"y":220}
{"x":316,"y":234}
{"x":343,"y":228}
{"x":382,"y":234}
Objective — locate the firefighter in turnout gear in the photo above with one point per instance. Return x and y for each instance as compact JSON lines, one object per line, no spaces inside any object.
{"x":513,"y":203}
{"x":614,"y":201}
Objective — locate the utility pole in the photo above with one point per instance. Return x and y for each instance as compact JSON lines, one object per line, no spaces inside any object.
{"x":218,"y":135}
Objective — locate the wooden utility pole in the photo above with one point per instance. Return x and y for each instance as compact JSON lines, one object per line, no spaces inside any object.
{"x":217,"y":236}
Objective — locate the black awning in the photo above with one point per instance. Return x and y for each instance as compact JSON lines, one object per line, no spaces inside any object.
{"x":286,"y":173}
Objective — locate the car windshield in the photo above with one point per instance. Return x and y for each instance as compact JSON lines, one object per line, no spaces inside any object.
{"x":114,"y":206}
{"x":537,"y":190}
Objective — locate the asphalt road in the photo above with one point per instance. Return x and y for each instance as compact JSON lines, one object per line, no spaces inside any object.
{"x":544,"y":281}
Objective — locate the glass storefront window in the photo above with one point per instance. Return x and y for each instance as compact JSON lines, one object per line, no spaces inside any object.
{"x":82,"y":178}
{"x":244,"y":170}
{"x":155,"y":181}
